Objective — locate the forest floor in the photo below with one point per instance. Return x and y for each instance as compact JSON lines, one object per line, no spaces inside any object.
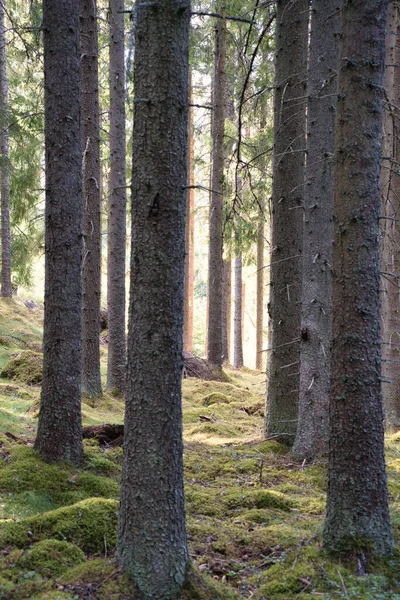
{"x":254,"y":515}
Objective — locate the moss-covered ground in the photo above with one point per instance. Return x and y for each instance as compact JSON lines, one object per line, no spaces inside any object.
{"x":254,"y":515}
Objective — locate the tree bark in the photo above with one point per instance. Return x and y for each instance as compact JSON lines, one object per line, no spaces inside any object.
{"x":59,"y":434}
{"x":91,"y":381}
{"x":390,"y":231}
{"x":6,"y":288}
{"x":226,"y":310}
{"x":238,"y":320}
{"x":215,"y":266}
{"x":116,"y":372}
{"x":189,"y":239}
{"x":287,"y":218}
{"x":152,"y":536}
{"x":316,"y":307}
{"x":357,"y":505}
{"x":260,"y":286}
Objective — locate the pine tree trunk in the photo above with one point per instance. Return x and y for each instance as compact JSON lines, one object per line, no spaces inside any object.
{"x":316,"y":308}
{"x":215,"y":267}
{"x":260,"y":286}
{"x":6,"y":288}
{"x":116,"y":372}
{"x":287,"y":218}
{"x":390,"y":231}
{"x":357,"y":504}
{"x":59,"y":435}
{"x":238,"y":316}
{"x":189,"y":239}
{"x":226,"y":310}
{"x":91,"y":380}
{"x":152,"y":536}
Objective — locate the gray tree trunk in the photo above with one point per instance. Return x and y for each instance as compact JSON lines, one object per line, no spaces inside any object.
{"x":226,"y":309}
{"x":316,"y":308}
{"x":116,"y":372}
{"x":91,"y":381}
{"x":357,"y":505}
{"x":59,"y":435}
{"x":260,"y":286}
{"x":215,"y":264}
{"x":237,"y":318}
{"x":6,"y":288}
{"x":152,"y":537}
{"x":287,"y":219}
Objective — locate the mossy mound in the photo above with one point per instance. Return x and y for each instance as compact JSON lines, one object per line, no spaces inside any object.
{"x":27,"y":367}
{"x":216,"y":398}
{"x":50,"y":557}
{"x":199,"y":586}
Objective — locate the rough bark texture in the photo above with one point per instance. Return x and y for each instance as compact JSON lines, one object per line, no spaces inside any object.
{"x":357,"y":504}
{"x":152,"y":536}
{"x":316,"y":309}
{"x":6,"y":288}
{"x":287,"y":218}
{"x":226,"y":310}
{"x":91,"y":380}
{"x":59,"y":434}
{"x":215,"y":265}
{"x":390,"y":230}
{"x":260,"y":287}
{"x":238,"y":316}
{"x":189,"y":234}
{"x":116,"y":372}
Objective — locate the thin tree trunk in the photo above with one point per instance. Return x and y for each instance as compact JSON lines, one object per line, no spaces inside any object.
{"x":357,"y":505}
{"x":6,"y":288}
{"x":116,"y":372}
{"x":59,"y":435}
{"x":316,"y":308}
{"x":91,"y":200}
{"x":226,"y":310}
{"x":238,"y":316}
{"x":260,"y":286}
{"x":390,"y":238}
{"x":189,"y":239}
{"x":287,"y":218}
{"x":152,"y":536}
{"x":215,"y":272}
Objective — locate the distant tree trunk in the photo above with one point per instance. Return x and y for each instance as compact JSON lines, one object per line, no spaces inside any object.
{"x":59,"y":435}
{"x":152,"y":536}
{"x":390,"y":239}
{"x":260,"y":286}
{"x":226,"y":309}
{"x":357,"y":505}
{"x":287,"y":218}
{"x":238,"y":316}
{"x":116,"y":372}
{"x":189,"y":240}
{"x":215,"y":268}
{"x":6,"y":289}
{"x":316,"y":318}
{"x":91,"y":199}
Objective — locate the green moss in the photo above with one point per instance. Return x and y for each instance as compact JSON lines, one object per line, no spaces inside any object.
{"x":215,"y":398}
{"x":50,"y":557}
{"x":6,"y":588}
{"x":201,"y":587}
{"x":236,"y":499}
{"x":27,"y":367}
{"x":257,"y":515}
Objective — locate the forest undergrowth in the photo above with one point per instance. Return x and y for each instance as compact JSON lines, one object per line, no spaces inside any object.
{"x":254,"y":515}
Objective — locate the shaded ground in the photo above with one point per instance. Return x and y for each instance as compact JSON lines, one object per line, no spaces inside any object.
{"x":254,"y":515}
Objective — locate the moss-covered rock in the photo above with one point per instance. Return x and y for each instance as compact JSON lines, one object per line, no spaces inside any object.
{"x":236,"y":499}
{"x":50,"y":557}
{"x":27,"y":367}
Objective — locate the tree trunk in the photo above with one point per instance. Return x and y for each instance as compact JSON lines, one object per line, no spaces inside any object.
{"x":59,"y":435}
{"x":238,"y":316}
{"x":357,"y":505}
{"x":215,"y":267}
{"x":189,"y":239}
{"x":116,"y":372}
{"x":260,"y":286}
{"x":287,"y":218}
{"x":316,"y":308}
{"x":390,"y":231}
{"x":226,"y":310}
{"x":152,"y":536}
{"x":6,"y":288}
{"x":91,"y":381}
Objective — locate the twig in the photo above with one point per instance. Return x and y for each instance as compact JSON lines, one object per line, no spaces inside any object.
{"x":200,"y":13}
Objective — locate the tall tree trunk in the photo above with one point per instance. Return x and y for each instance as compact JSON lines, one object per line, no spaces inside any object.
{"x":59,"y":435}
{"x":215,"y":267}
{"x":189,"y":239}
{"x":357,"y":505}
{"x":390,"y":238}
{"x":91,"y":199}
{"x":316,"y":308}
{"x":6,"y":289}
{"x":260,"y":286}
{"x":152,"y":536}
{"x":287,"y":218}
{"x":226,"y":309}
{"x":238,"y":316}
{"x":116,"y":372}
